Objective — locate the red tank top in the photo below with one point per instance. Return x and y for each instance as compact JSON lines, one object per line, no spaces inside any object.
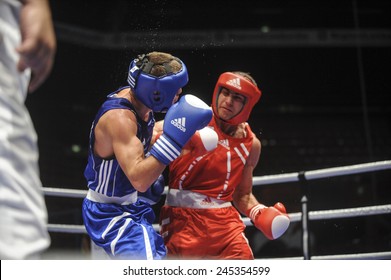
{"x":217,"y":173}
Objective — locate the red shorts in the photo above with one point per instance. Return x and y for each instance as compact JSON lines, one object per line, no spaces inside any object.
{"x":216,"y":233}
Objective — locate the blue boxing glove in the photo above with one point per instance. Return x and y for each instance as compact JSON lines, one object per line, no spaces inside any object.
{"x":154,"y":192}
{"x":182,"y":120}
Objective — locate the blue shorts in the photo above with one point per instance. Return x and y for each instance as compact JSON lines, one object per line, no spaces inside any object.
{"x":123,"y":231}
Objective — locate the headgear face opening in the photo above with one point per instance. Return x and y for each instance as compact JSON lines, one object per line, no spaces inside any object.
{"x":241,"y":85}
{"x":157,"y":93}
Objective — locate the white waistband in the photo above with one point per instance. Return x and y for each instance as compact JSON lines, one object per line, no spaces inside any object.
{"x":189,"y":199}
{"x":101,"y":198}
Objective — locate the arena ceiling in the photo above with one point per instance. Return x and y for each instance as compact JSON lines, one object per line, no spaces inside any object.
{"x":120,"y":24}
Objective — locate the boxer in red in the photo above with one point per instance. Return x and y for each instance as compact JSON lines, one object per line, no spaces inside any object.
{"x":212,"y":180}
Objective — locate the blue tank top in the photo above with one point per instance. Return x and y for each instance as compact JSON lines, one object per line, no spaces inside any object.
{"x":105,"y":176}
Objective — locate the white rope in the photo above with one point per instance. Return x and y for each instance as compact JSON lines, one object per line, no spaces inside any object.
{"x":294,"y":217}
{"x":348,"y":170}
{"x":359,"y":256}
{"x":66,"y":228}
{"x":59,"y":192}
{"x":264,"y":180}
{"x":323,"y":173}
{"x":350,"y":212}
{"x":275,"y":179}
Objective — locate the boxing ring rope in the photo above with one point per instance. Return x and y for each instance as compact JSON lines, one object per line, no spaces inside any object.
{"x":305,"y":216}
{"x":294,"y":217}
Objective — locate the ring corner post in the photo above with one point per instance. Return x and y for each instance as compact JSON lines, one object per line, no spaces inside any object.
{"x":305,"y":216}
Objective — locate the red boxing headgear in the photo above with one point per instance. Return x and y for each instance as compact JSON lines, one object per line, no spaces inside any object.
{"x":240,"y":85}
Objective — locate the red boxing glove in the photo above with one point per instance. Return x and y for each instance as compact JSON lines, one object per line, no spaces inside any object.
{"x":203,"y":141}
{"x":272,"y":221}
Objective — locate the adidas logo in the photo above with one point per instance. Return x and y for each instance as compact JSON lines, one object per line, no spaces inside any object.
{"x":179,"y":123}
{"x":235,"y":83}
{"x":224,"y":143}
{"x":206,"y":201}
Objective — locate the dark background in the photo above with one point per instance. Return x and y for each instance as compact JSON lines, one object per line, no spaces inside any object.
{"x":324,"y":70}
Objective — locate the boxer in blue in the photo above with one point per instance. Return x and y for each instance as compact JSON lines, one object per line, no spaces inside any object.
{"x":125,"y":164}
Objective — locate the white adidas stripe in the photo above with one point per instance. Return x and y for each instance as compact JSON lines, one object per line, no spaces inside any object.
{"x":240,"y":155}
{"x":104,"y":175}
{"x":235,"y":83}
{"x":166,"y":148}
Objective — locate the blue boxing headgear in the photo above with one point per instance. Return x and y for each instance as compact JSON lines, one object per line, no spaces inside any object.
{"x":157,"y":93}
